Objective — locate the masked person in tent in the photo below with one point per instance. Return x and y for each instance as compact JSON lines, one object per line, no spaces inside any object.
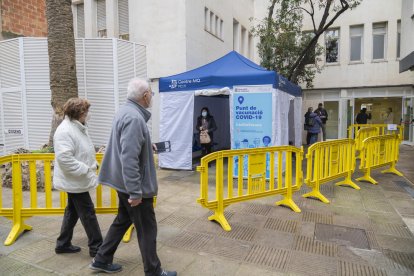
{"x":128,"y":167}
{"x":315,"y":129}
{"x":75,"y":173}
{"x":206,"y":125}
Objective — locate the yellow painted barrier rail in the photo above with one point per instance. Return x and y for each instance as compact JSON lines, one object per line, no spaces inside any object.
{"x":382,"y":129}
{"x":362,"y":134}
{"x":379,"y":151}
{"x":255,"y":185}
{"x":327,"y":161}
{"x":25,"y":204}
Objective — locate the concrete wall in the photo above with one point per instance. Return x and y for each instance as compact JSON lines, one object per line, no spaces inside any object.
{"x":22,"y":18}
{"x":407,"y":27}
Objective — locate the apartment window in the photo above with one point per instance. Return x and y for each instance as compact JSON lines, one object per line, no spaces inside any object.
{"x":80,"y":20}
{"x":379,"y":39}
{"x":398,"y":38}
{"x":221,"y":29}
{"x":123,"y":19}
{"x":101,"y":17}
{"x":307,"y":36}
{"x":236,"y":35}
{"x":332,"y":45}
{"x":206,"y":21}
{"x":213,"y":24}
{"x":243,"y":41}
{"x":250,"y":45}
{"x":356,"y":34}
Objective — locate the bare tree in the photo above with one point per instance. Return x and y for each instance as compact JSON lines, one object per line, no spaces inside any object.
{"x":62,"y":59}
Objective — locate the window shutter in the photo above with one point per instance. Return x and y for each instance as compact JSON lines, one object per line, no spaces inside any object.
{"x":80,"y":20}
{"x":101,"y":16}
{"x":123,"y":17}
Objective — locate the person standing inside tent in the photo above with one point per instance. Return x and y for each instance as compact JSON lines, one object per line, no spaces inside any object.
{"x":75,"y":173}
{"x":206,"y":125}
{"x":128,"y":167}
{"x":362,"y":117}
{"x":315,"y":129}
{"x":308,"y":124}
{"x":323,"y":115}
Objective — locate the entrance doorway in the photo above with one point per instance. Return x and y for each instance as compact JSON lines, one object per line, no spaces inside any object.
{"x":408,"y":119}
{"x":378,"y":108}
{"x":332,"y":124}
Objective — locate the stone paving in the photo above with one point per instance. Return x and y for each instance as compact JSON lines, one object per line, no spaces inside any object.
{"x":365,"y":232}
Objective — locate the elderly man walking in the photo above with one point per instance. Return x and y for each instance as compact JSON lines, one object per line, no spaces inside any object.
{"x":128,"y":167}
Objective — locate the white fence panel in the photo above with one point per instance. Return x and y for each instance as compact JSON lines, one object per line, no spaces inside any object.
{"x":13,"y":120}
{"x":126,"y":70}
{"x":9,"y":64}
{"x":36,"y":62}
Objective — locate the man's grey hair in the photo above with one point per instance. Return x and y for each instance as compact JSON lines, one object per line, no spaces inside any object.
{"x":136,"y":88}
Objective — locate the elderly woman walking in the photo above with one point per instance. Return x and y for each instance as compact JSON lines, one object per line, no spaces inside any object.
{"x":75,"y":173}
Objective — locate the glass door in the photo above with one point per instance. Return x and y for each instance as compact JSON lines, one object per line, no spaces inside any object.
{"x":408,"y":119}
{"x":346,"y":115}
{"x":333,"y":117}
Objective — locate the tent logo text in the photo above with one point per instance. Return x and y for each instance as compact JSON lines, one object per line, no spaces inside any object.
{"x":173,"y":84}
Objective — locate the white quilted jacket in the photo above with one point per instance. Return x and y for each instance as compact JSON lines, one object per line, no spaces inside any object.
{"x":75,"y":160}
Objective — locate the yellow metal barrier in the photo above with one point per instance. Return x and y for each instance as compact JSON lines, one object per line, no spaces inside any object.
{"x":377,"y":152}
{"x":256,"y":185}
{"x":361,"y":135}
{"x":382,"y":129}
{"x":19,"y":211}
{"x":327,"y":161}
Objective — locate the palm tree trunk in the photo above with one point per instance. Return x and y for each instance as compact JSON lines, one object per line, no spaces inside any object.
{"x":62,"y":59}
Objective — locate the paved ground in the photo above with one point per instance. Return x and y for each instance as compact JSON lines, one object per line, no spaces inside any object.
{"x":364,"y":232}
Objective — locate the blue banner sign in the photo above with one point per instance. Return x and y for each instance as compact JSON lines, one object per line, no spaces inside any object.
{"x":252,"y":122}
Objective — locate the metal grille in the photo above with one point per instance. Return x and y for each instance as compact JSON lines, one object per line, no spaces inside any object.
{"x":123,"y":17}
{"x":355,"y":269}
{"x":80,"y":20}
{"x":343,"y":235}
{"x":307,"y":244}
{"x":188,"y":240}
{"x":289,"y":226}
{"x":101,"y":14}
{"x":267,"y":256}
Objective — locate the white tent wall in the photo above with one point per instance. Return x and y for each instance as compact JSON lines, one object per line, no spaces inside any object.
{"x":219,"y":109}
{"x":176,"y":126}
{"x":298,"y":125}
{"x":104,"y":67}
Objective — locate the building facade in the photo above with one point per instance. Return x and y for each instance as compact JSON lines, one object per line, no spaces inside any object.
{"x":361,"y":66}
{"x":22,"y":18}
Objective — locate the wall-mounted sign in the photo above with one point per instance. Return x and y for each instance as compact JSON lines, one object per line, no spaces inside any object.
{"x":13,"y":131}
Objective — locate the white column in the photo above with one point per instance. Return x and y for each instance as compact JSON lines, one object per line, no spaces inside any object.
{"x":112,"y":29}
{"x":90,"y":18}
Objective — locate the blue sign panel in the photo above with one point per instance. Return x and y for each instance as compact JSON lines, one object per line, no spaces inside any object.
{"x":252,"y":124}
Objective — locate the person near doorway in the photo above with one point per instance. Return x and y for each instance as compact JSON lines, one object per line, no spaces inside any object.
{"x":75,"y":173}
{"x":323,"y":115}
{"x":206,"y":124}
{"x":389,"y":116}
{"x":362,"y":117}
{"x":315,"y":129}
{"x":128,"y":167}
{"x":308,"y":124}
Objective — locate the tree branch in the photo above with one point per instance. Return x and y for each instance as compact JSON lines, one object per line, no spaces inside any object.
{"x":313,"y":15}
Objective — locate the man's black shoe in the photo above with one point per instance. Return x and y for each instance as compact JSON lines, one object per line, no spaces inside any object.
{"x":168,"y":273}
{"x":69,"y":249}
{"x":108,"y":268}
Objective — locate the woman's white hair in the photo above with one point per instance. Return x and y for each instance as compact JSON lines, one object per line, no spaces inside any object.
{"x":136,"y":88}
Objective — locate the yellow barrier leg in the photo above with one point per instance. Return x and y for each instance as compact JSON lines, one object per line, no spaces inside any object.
{"x":128,"y":233}
{"x":221,"y":219}
{"x":367,"y":177}
{"x":393,"y":170}
{"x":17,"y":229}
{"x":348,"y":182}
{"x":315,"y":193}
{"x":288,"y":202}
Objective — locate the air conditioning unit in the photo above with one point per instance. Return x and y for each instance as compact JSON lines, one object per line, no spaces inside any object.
{"x":102,"y":33}
{"x":124,"y":36}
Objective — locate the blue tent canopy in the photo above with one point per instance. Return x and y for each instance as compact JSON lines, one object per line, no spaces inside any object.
{"x":227,"y":71}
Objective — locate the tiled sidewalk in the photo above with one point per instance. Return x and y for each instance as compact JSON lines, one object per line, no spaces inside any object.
{"x":359,"y":233}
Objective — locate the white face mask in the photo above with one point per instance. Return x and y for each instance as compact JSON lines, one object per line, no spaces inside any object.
{"x":204,"y":114}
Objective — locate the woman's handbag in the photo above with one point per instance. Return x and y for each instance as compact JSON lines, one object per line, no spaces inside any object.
{"x":204,"y":137}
